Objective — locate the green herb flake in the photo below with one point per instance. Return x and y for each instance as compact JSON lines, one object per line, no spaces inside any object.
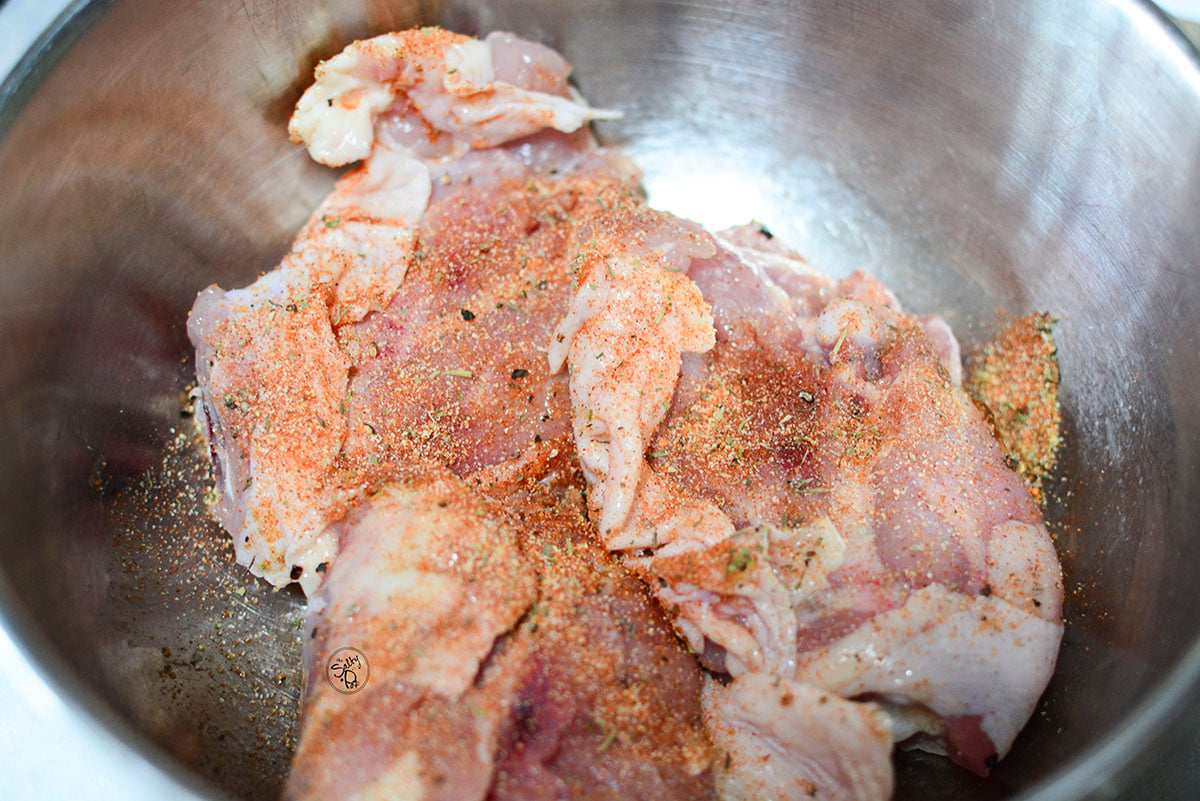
{"x":838,"y":345}
{"x":740,"y":560}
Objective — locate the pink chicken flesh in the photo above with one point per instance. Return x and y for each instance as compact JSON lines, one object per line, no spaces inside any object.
{"x":275,"y":360}
{"x":484,"y":334}
{"x":472,"y":620}
{"x":823,"y":504}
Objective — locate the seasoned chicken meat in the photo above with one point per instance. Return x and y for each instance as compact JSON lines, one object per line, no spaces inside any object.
{"x":615,"y":506}
{"x":822,"y":504}
{"x":503,"y":656}
{"x":425,"y":584}
{"x":273,"y":374}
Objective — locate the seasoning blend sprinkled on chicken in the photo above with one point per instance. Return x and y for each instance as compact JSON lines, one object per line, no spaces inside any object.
{"x":509,"y":656}
{"x":483,"y":340}
{"x":503,"y":663}
{"x":852,"y":533}
{"x":277,"y":427}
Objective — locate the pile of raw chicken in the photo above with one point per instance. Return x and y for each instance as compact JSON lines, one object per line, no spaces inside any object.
{"x":615,"y":507}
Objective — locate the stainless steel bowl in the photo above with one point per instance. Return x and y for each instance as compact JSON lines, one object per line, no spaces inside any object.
{"x":978,"y":156}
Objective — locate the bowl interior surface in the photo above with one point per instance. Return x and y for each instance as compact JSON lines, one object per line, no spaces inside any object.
{"x":979,"y":158}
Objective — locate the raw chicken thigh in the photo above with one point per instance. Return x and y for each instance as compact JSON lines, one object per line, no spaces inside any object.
{"x":453,"y":550}
{"x":273,"y":374}
{"x":513,"y":431}
{"x":413,"y":590}
{"x":822,"y":505}
{"x":509,"y":658}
